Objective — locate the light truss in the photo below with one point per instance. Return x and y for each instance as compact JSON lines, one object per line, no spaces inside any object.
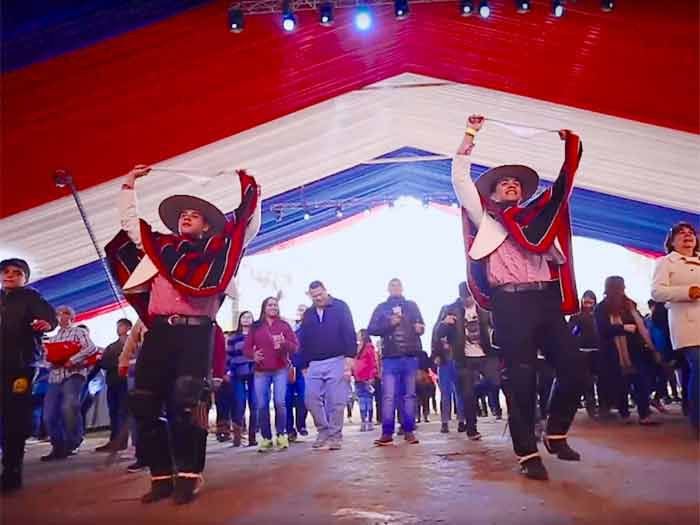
{"x":259,"y":7}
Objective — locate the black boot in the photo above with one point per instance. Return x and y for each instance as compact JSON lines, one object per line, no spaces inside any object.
{"x":561,"y":449}
{"x":54,"y":455}
{"x":533,"y":468}
{"x":161,"y":488}
{"x":186,"y":488}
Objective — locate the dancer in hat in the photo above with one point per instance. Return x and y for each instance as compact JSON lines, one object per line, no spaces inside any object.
{"x":520,"y":266}
{"x":176,"y":282}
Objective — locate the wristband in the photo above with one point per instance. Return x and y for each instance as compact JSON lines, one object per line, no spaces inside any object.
{"x":471,"y":131}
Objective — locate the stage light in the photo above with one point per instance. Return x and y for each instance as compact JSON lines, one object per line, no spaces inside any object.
{"x":235,"y":20}
{"x":523,"y":6}
{"x":607,"y":5}
{"x":466,"y":7}
{"x":325,"y":14}
{"x":367,"y":212}
{"x":454,"y":205}
{"x":557,"y":8}
{"x":400,"y":9}
{"x":484,"y":9}
{"x":306,"y":216}
{"x":289,"y":21}
{"x":278,"y":215}
{"x":339,"y":213}
{"x":363,"y":18}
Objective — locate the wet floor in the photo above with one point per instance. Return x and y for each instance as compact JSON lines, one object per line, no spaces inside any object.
{"x":629,"y":475}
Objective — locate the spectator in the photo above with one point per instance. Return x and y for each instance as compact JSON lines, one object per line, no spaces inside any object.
{"x":366,"y":371}
{"x":270,"y":343}
{"x":400,"y":324}
{"x":241,"y":373}
{"x":677,"y":282}
{"x":296,"y":409}
{"x":583,"y":327}
{"x":329,"y":345}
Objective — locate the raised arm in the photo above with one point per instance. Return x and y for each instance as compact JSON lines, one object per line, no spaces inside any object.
{"x":126,"y":204}
{"x":462,"y":182}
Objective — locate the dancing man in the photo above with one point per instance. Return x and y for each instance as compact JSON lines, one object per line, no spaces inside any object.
{"x":520,"y":266}
{"x":177,"y":282}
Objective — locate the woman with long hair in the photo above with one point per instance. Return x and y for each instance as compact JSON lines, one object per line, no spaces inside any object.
{"x":677,"y":283}
{"x":240,"y":374}
{"x":270,"y":343}
{"x":627,"y":347}
{"x":366,"y":371}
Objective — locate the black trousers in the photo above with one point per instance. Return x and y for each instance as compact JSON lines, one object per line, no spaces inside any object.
{"x":525,"y":322}
{"x":172,"y":373}
{"x":15,"y":420}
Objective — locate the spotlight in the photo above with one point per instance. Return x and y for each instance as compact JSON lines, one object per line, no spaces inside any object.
{"x":484,"y":9}
{"x":339,"y":213}
{"x":368,"y":212}
{"x":278,"y":215}
{"x":557,"y":8}
{"x":454,"y":205}
{"x":400,"y":9}
{"x":235,"y":20}
{"x":289,"y":21}
{"x":363,"y":18}
{"x":466,"y":7}
{"x":325,"y":14}
{"x":306,"y":216}
{"x":523,"y":6}
{"x":607,"y":5}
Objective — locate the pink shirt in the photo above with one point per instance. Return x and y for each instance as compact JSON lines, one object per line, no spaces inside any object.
{"x":511,"y":263}
{"x":166,"y":300}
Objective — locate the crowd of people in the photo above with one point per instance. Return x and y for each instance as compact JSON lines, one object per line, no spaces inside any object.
{"x":506,"y":333}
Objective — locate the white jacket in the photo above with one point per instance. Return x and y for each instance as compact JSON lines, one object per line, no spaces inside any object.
{"x":674,"y":274}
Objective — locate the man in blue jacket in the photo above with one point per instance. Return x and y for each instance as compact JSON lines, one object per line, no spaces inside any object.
{"x":328,"y":346}
{"x":399,"y":323}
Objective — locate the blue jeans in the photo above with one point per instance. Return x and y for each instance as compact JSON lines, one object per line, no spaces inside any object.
{"x":244,"y":392}
{"x":365,"y":398}
{"x":295,"y":404}
{"x":449,"y":386}
{"x":62,"y":416}
{"x":116,"y":402}
{"x":692,"y":355}
{"x":278,"y":381}
{"x":399,"y":375}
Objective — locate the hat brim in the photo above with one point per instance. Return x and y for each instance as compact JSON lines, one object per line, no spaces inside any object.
{"x":171,"y":208}
{"x":529,"y":180}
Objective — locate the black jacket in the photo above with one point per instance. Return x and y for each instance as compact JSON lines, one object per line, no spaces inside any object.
{"x":583,"y":327}
{"x":454,"y":334}
{"x":21,"y":346}
{"x":380,"y":325}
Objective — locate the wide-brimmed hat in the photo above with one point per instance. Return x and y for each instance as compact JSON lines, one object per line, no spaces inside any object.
{"x":171,"y":208}
{"x":529,"y":180}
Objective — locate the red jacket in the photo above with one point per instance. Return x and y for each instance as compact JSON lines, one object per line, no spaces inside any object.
{"x":260,"y":338}
{"x":366,"y":368}
{"x":218,"y":360}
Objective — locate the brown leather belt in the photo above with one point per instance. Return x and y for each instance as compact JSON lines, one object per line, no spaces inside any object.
{"x":183,"y":320}
{"x":528,"y":287}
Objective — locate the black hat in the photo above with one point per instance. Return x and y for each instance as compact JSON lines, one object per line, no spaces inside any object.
{"x":17,"y":263}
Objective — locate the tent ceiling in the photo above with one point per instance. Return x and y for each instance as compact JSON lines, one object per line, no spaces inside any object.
{"x":184,"y":82}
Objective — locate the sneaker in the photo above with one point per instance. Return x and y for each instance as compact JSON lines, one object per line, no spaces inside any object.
{"x":533,"y":468}
{"x":282,"y":442}
{"x":426,"y":420}
{"x":187,"y":487}
{"x":363,"y":427}
{"x":160,"y":489}
{"x":444,"y":428}
{"x":320,"y":442}
{"x":304,"y":432}
{"x":335,"y":445}
{"x":292,"y":436}
{"x":462,"y":427}
{"x":658,"y":406}
{"x":265,"y":445}
{"x":136,"y":467}
{"x":384,"y":441}
{"x":473,"y":436}
{"x":411,"y":438}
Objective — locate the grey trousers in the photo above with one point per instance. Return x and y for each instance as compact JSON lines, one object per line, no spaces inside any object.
{"x":327,"y":392}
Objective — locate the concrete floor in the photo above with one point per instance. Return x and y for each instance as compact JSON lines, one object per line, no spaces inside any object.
{"x":629,"y":475}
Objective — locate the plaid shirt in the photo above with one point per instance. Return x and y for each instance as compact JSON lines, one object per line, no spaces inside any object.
{"x":87,"y":348}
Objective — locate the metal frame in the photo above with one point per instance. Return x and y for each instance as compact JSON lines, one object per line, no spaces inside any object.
{"x":259,"y":7}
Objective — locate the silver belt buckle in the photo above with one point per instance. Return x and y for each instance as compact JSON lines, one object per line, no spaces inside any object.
{"x":172,"y":320}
